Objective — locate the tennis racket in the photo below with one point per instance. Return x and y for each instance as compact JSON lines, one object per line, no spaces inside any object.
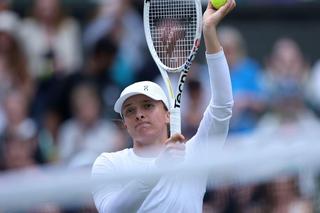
{"x":173,"y":32}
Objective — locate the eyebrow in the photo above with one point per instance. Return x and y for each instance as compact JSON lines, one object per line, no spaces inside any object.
{"x":143,"y":101}
{"x":126,"y":105}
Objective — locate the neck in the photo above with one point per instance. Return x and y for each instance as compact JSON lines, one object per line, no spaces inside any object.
{"x":148,"y":149}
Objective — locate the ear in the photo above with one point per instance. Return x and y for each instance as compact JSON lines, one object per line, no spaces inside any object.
{"x":124,"y":125}
{"x":168,"y":117}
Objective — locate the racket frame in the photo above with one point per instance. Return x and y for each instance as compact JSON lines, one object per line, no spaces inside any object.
{"x":174,"y":95}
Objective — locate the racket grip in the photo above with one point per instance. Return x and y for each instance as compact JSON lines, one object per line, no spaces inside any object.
{"x":175,"y":121}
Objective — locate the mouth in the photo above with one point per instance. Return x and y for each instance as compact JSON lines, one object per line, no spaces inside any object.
{"x":142,"y":124}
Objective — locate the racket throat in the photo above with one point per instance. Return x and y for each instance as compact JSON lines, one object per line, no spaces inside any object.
{"x":175,"y":121}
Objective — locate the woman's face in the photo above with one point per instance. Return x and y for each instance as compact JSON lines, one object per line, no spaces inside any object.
{"x":145,"y":119}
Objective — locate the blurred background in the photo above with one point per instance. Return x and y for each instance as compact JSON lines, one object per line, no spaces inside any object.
{"x":63,"y":63}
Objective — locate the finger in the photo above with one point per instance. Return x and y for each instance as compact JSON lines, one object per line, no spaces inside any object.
{"x":210,"y":6}
{"x":226,"y":8}
{"x":231,"y":5}
{"x":176,"y":138}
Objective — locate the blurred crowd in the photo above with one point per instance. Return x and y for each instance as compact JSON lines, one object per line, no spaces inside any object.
{"x":59,"y":79}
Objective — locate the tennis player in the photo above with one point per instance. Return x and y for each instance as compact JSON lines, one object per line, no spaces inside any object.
{"x":144,"y":109}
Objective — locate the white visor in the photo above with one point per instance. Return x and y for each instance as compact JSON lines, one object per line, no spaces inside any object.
{"x":147,"y":88}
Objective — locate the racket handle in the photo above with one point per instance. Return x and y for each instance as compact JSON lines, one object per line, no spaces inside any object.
{"x":175,"y":121}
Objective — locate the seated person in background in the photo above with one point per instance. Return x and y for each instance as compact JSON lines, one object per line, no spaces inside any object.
{"x":85,"y":135}
{"x":245,"y":75}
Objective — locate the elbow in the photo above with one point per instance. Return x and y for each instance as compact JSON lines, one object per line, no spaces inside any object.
{"x":222,"y":112}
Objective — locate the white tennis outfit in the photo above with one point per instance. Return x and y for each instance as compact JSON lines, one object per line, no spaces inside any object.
{"x":176,"y":194}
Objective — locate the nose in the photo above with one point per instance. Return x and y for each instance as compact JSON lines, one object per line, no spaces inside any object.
{"x":139,"y":115}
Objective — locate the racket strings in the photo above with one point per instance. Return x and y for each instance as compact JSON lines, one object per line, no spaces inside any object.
{"x":173,"y":29}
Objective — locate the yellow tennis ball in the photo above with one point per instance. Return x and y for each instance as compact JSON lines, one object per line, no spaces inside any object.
{"x":218,"y":3}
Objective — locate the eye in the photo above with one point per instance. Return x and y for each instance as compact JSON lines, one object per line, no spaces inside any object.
{"x":148,"y":105}
{"x":129,"y":111}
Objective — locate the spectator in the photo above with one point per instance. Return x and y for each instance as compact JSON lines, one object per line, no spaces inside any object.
{"x":242,"y":198}
{"x":245,"y":76}
{"x":286,"y":66}
{"x":288,"y":120}
{"x":18,"y":127}
{"x":83,"y":137}
{"x":19,"y":154}
{"x":13,"y":65}
{"x":19,"y":149}
{"x":16,"y":107}
{"x":97,"y":71}
{"x":117,"y":19}
{"x":285,"y":79}
{"x":51,"y":40}
{"x":283,"y":196}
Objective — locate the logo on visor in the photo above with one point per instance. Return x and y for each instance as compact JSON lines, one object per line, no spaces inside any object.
{"x":145,"y":88}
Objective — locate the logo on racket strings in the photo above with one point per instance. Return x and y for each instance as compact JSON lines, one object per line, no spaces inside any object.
{"x":171,"y":32}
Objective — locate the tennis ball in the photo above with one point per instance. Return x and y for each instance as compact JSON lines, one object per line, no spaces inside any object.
{"x":218,"y":3}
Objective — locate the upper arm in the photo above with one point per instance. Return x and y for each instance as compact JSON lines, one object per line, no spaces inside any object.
{"x":103,"y":191}
{"x":214,"y":125}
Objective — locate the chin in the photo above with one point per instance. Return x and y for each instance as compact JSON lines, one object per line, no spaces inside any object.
{"x":146,"y":137}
